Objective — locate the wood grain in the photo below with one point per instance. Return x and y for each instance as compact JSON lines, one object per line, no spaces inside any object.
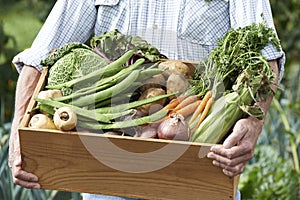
{"x":40,"y":85}
{"x":62,"y":161}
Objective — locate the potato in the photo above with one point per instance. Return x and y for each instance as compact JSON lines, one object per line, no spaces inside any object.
{"x":176,"y":66}
{"x":154,"y":106}
{"x":156,"y":81}
{"x":177,"y":83}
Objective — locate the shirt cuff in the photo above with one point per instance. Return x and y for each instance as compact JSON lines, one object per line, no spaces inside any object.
{"x":28,"y":57}
{"x":272,"y":54}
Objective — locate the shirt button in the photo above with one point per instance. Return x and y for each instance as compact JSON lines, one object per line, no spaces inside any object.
{"x":155,"y":26}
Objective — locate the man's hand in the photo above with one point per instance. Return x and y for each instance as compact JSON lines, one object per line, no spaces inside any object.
{"x":21,"y":177}
{"x":238,"y":148}
{"x":27,"y":82}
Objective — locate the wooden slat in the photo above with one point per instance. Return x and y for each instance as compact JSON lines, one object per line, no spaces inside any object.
{"x":62,"y":161}
{"x":40,"y":85}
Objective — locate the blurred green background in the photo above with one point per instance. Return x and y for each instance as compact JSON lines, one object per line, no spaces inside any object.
{"x":274,"y":171}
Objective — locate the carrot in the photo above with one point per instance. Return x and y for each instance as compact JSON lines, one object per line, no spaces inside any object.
{"x":170,"y":106}
{"x":202,"y":105}
{"x":188,"y":109}
{"x":205,"y":111}
{"x":173,"y":103}
{"x":188,"y":100}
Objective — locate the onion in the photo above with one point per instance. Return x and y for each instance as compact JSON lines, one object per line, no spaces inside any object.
{"x":112,"y":133}
{"x":174,"y":128}
{"x":147,"y":132}
{"x":131,"y":131}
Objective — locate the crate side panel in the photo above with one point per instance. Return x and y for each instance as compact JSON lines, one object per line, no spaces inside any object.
{"x":94,"y":164}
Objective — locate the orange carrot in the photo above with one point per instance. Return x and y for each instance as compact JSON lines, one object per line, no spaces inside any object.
{"x":173,"y":103}
{"x":188,"y":100}
{"x":202,"y":105}
{"x":170,"y":106}
{"x":188,"y":109}
{"x":205,"y":111}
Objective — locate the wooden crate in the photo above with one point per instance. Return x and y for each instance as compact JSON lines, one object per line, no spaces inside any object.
{"x":122,"y":166}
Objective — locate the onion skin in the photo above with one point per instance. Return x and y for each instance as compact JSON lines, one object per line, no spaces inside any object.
{"x":147,"y":132}
{"x":112,"y":133}
{"x":174,"y":128}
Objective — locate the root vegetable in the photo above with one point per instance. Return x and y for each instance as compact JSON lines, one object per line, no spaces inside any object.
{"x":174,"y":128}
{"x":41,"y":121}
{"x":156,"y":81}
{"x":112,"y":133}
{"x":147,"y":132}
{"x":176,"y":66}
{"x":154,"y":106}
{"x":49,"y":94}
{"x":131,"y":131}
{"x":177,"y":83}
{"x":202,"y":105}
{"x":65,"y":119}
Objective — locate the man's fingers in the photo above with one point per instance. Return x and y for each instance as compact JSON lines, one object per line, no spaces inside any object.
{"x":24,"y":179}
{"x":26,"y":184}
{"x":233,"y":171}
{"x":236,"y":136}
{"x":231,"y":153}
{"x":23,"y":175}
{"x":229,"y":161}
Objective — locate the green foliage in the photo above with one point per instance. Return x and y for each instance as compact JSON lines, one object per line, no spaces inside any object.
{"x":240,"y":50}
{"x":8,"y":79}
{"x":113,"y":45}
{"x":270,"y":177}
{"x":274,"y":172}
{"x":74,"y":60}
{"x":286,"y":18}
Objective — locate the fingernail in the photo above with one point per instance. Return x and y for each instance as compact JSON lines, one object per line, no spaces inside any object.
{"x":214,"y":162}
{"x":210,"y":155}
{"x":35,"y":179}
{"x":36,"y":187}
{"x":212,"y":148}
{"x":226,"y":173}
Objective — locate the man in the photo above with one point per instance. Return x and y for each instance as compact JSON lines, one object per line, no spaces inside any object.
{"x":180,"y":29}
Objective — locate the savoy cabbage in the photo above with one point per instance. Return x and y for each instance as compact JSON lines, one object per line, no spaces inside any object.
{"x":71,"y":61}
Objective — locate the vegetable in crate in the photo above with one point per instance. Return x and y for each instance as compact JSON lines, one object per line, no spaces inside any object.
{"x":174,"y":128}
{"x":41,"y":121}
{"x":65,"y":119}
{"x":238,"y":64}
{"x":71,"y":61}
{"x":176,"y":66}
{"x":153,"y":106}
{"x":111,"y":45}
{"x":49,"y":94}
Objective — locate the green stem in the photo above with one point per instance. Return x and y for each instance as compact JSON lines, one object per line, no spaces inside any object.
{"x":292,"y":143}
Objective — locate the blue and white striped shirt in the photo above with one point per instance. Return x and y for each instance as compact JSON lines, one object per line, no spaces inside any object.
{"x":180,"y":29}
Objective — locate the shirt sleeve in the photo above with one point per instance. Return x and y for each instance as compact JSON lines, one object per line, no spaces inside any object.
{"x":246,"y":12}
{"x":69,"y":21}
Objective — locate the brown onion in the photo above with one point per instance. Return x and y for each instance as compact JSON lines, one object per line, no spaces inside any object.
{"x":174,"y":128}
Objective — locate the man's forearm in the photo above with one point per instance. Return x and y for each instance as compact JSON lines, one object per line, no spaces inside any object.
{"x":267,"y":102}
{"x":26,"y":84}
